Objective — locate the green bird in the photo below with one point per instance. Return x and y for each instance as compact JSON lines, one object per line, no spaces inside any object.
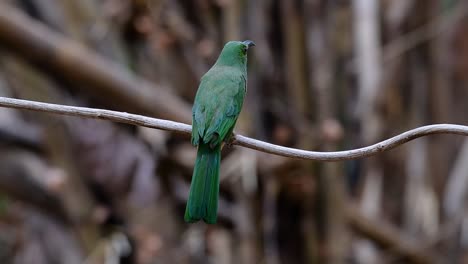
{"x":217,"y":106}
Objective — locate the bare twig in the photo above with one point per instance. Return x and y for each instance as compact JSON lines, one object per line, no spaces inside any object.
{"x":239,"y":140}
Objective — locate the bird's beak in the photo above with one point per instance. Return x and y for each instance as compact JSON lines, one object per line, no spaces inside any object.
{"x":248,"y":43}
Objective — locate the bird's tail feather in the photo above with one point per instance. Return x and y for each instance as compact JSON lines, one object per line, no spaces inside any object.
{"x":203,"y":197}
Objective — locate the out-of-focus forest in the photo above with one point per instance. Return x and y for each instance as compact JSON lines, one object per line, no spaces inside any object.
{"x":324,"y":75}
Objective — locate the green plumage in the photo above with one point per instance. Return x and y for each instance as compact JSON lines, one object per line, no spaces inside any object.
{"x":215,"y":111}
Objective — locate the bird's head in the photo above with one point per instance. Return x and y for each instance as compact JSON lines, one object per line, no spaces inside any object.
{"x":235,"y":53}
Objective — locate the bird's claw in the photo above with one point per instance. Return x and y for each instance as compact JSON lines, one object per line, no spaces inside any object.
{"x":230,"y":141}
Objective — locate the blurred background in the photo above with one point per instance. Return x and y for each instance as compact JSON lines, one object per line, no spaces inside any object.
{"x":324,"y":75}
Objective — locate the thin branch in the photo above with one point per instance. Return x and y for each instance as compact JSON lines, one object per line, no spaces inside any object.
{"x":239,"y":140}
{"x":437,"y":26}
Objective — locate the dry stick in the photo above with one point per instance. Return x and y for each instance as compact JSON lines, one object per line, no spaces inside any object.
{"x":239,"y":140}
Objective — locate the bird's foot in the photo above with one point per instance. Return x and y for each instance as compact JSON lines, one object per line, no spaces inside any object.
{"x":230,"y":141}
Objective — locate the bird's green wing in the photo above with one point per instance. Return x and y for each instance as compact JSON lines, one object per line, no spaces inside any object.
{"x":217,"y":106}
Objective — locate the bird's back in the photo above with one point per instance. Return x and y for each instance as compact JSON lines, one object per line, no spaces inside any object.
{"x":218,"y":102}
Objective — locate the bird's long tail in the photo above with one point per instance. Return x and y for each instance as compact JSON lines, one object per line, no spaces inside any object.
{"x":203,"y":197}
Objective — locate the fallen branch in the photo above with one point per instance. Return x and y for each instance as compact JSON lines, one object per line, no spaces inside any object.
{"x":93,"y":74}
{"x":389,"y":237}
{"x":239,"y":140}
